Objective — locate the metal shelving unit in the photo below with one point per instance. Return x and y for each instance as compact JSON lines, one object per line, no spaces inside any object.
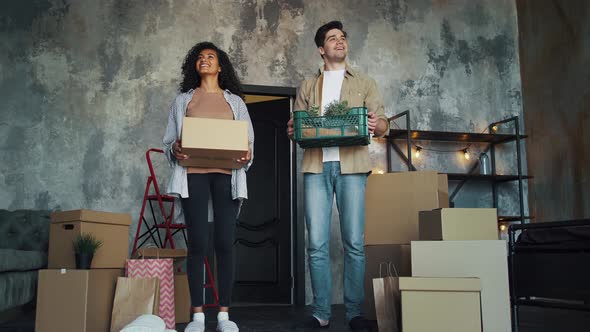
{"x":492,"y":139}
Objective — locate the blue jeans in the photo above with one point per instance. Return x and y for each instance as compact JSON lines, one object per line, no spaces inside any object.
{"x":319,"y":192}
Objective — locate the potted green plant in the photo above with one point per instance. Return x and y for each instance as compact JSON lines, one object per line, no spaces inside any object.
{"x":85,"y":246}
{"x":337,"y":108}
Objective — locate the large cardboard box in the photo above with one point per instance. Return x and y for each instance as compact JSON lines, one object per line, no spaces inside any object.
{"x":486,"y":260}
{"x":393,"y":201}
{"x":111,"y":228}
{"x":182,"y":298}
{"x":458,"y":224}
{"x":214,"y":142}
{"x":440,"y":304}
{"x":375,"y":255}
{"x":75,"y":300}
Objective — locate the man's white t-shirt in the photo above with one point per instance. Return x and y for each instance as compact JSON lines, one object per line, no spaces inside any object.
{"x":331,"y":92}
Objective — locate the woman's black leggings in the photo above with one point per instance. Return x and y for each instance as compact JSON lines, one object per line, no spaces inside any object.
{"x":225,"y":210}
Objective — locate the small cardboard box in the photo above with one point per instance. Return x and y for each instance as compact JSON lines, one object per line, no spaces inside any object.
{"x":440,"y":304}
{"x":111,"y":228}
{"x":484,"y":259}
{"x":393,"y":201}
{"x":182,"y":299}
{"x":214,"y":142}
{"x":75,"y":300}
{"x":375,"y":255}
{"x":176,"y":254}
{"x":458,"y":224}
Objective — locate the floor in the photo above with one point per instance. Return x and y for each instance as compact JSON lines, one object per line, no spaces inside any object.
{"x":281,"y":319}
{"x":249,"y":319}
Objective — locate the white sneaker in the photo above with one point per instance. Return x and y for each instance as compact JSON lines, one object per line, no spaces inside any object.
{"x":195,"y":326}
{"x":226,"y":326}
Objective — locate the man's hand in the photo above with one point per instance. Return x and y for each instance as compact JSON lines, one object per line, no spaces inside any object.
{"x":246,"y":159}
{"x":290,"y":129}
{"x":372,"y":122}
{"x":376,"y":125}
{"x":177,"y":151}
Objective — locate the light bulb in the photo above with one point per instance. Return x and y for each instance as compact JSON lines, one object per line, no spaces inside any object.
{"x":380,"y":171}
{"x":502,"y":227}
{"x":494,"y":128}
{"x":466,"y":154}
{"x":417,"y":153}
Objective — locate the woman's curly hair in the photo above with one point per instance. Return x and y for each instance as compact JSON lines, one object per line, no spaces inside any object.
{"x":228,"y":80}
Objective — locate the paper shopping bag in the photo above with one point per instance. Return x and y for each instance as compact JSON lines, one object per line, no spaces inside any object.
{"x":163,"y":270}
{"x":387,"y":300}
{"x":134,"y":297}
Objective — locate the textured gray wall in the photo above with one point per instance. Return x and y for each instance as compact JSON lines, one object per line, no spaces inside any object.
{"x":86,"y":85}
{"x":555,"y":51}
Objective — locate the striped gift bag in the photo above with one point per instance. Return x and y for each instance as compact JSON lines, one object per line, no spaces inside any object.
{"x":162,"y":269}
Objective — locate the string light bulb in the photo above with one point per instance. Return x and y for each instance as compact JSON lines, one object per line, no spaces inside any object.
{"x":417,"y":153}
{"x":466,"y":154}
{"x":502,"y":227}
{"x":494,"y":128}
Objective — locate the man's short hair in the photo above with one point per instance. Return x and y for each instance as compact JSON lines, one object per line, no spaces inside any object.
{"x":320,"y":35}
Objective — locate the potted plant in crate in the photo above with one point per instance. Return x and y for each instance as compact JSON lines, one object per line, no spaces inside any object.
{"x":85,"y":246}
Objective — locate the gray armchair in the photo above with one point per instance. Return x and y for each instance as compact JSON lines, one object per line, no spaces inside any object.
{"x":24,"y":237}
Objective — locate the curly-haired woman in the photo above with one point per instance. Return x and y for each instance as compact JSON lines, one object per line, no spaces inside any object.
{"x":209,"y":89}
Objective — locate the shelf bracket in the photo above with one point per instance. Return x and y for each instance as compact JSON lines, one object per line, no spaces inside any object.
{"x":405,"y":158}
{"x":518,"y":161}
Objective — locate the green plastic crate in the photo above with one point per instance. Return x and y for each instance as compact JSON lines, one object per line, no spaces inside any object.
{"x":326,"y":131}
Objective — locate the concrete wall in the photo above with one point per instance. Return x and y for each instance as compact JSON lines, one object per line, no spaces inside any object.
{"x":555,"y":52}
{"x":86,"y":85}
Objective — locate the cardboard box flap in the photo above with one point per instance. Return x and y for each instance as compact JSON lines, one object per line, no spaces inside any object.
{"x":91,"y":216}
{"x":440,"y":284}
{"x":443,"y":190}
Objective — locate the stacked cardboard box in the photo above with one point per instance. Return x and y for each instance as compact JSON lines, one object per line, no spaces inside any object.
{"x":458,"y":224}
{"x":111,"y":228}
{"x":182,"y":298}
{"x":462,"y":244}
{"x":393,"y":201}
{"x":214,"y":142}
{"x":75,"y":300}
{"x":440,"y":304}
{"x":81,"y":300}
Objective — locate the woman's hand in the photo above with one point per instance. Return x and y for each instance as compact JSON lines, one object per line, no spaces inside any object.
{"x":177,"y":151}
{"x":246,"y":159}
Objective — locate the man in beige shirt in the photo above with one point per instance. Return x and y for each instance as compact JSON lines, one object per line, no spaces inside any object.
{"x":337,"y":171}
